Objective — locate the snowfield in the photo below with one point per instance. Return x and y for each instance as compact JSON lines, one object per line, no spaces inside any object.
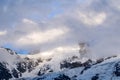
{"x":60,"y":64}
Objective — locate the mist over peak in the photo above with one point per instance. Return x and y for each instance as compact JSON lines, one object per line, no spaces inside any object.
{"x":60,"y":39}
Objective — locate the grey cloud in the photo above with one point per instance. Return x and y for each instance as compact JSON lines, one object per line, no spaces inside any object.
{"x":68,"y":17}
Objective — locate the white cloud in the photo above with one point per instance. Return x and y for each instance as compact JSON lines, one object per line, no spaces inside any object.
{"x":41,"y":37}
{"x":28,"y":21}
{"x":73,"y":49}
{"x":3,"y":33}
{"x":78,"y":16}
{"x":92,"y":19}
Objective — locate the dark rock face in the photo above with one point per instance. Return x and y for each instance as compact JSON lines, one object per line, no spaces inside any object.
{"x":86,"y":65}
{"x":16,"y":74}
{"x":110,"y":57}
{"x":10,"y":51}
{"x":4,"y":72}
{"x":66,"y":64}
{"x":62,"y":77}
{"x":117,"y":69}
{"x":99,"y":60}
{"x":41,"y":78}
{"x":44,"y":69}
{"x":70,"y":65}
{"x":21,"y":67}
{"x":96,"y":77}
{"x":39,"y":60}
{"x":26,"y":65}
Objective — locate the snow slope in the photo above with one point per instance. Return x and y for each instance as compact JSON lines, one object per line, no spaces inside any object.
{"x":108,"y":69}
{"x":63,"y":63}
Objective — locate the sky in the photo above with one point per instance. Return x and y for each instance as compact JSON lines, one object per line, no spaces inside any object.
{"x":28,"y":25}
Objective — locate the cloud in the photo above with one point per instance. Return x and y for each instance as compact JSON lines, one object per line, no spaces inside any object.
{"x":51,"y":23}
{"x":2,"y":33}
{"x":41,"y":37}
{"x":92,"y":19}
{"x":114,"y":4}
{"x":27,"y":21}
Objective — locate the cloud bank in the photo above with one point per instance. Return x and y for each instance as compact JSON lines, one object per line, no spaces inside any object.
{"x":47,"y":24}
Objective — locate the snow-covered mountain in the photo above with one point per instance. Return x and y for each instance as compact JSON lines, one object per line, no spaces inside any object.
{"x":63,"y":63}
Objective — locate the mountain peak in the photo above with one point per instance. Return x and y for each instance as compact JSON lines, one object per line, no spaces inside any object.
{"x":62,"y":63}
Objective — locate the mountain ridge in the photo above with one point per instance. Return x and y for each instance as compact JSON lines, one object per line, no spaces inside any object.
{"x":62,"y":66}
